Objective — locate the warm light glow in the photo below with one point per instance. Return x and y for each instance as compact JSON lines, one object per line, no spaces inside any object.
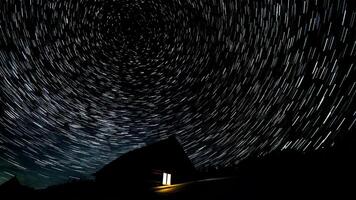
{"x":166,"y":179}
{"x":164,"y":189}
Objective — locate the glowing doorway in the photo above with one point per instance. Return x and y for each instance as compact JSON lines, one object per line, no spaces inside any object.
{"x":166,"y":179}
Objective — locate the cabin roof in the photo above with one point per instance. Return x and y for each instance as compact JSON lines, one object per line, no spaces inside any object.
{"x":160,"y":155}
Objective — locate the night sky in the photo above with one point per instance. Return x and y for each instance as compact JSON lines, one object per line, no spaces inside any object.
{"x":84,"y":81}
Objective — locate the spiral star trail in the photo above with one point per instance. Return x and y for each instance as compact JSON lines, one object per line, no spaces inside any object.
{"x":83,"y":82}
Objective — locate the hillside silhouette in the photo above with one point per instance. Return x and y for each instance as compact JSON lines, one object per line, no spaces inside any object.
{"x":280,"y":175}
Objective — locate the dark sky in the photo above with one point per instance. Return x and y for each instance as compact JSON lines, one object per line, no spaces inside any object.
{"x":83,"y":82}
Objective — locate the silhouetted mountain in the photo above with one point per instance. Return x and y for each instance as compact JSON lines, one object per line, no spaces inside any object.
{"x":325,"y":174}
{"x":14,"y":186}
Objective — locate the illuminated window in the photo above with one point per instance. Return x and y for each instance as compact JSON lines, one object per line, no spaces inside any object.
{"x":166,"y":179}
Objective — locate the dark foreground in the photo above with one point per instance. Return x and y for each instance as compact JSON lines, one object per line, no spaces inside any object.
{"x":290,"y":177}
{"x":329,"y":174}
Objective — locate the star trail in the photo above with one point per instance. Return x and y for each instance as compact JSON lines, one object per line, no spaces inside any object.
{"x":85,"y":81}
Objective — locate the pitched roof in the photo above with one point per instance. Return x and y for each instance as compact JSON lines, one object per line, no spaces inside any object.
{"x":166,"y":154}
